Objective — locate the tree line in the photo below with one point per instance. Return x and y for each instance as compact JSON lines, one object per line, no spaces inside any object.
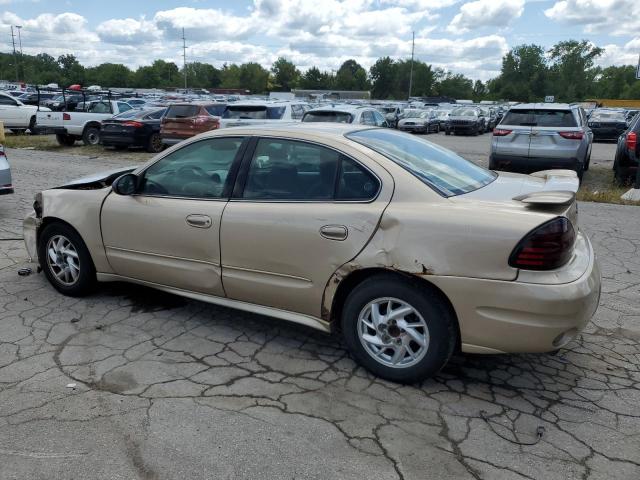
{"x":567,"y":71}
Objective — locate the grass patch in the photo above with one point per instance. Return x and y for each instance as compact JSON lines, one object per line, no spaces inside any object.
{"x":49,"y":143}
{"x":598,"y":186}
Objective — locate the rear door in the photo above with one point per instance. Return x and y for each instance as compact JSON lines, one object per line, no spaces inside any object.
{"x":178,"y":121}
{"x":518,"y":123}
{"x":300,"y":211}
{"x":546,"y":139}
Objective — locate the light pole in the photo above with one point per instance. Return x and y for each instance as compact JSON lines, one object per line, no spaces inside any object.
{"x":19,"y":27}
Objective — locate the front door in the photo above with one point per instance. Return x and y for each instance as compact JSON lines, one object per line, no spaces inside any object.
{"x":168,"y":232}
{"x":304,"y":211}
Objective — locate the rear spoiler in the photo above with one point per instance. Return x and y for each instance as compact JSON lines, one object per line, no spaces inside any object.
{"x":549,"y":198}
{"x":559,"y":180}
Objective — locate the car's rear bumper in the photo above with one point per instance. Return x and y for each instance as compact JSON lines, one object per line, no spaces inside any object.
{"x":512,"y":163}
{"x":605,"y":133}
{"x":121,"y":141}
{"x":521,"y":316}
{"x":6,"y":190}
{"x":413,"y":128}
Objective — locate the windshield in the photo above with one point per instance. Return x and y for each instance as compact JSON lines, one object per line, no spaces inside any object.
{"x":464,"y":112}
{"x":335,"y":117}
{"x":412,"y":113}
{"x":609,"y":117}
{"x":254,"y":112}
{"x":442,"y":114}
{"x":387,"y":109}
{"x":441,"y":169}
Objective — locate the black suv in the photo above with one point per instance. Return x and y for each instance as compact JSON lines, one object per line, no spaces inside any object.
{"x":625,"y":165}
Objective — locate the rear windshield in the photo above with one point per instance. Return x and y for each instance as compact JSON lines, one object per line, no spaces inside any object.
{"x":335,"y":117}
{"x":539,"y":118}
{"x":130,"y":114}
{"x":254,"y":112}
{"x":441,"y":169}
{"x":215,"y":110}
{"x":609,"y":117}
{"x":182,"y":111}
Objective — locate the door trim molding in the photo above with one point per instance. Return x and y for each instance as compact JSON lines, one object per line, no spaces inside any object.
{"x":151,"y":254}
{"x":287,"y":315}
{"x":264,"y":272}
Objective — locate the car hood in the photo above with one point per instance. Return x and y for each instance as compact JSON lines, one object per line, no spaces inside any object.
{"x":96,"y":181}
{"x":458,"y":117}
{"x":507,"y":185}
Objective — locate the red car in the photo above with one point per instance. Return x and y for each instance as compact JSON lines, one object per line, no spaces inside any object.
{"x":184,"y":120}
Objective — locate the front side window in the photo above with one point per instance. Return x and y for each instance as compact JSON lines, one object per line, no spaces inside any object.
{"x":299,"y":171}
{"x":441,"y":169}
{"x":197,"y":170}
{"x":7,"y":101}
{"x":379,"y":119}
{"x":123,"y":107}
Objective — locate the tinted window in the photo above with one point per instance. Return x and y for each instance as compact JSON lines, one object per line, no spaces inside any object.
{"x":379,"y":119}
{"x":99,"y":107}
{"x":254,"y":112}
{"x":215,"y":110}
{"x":328,"y":116}
{"x":290,"y":170}
{"x":297,"y":111}
{"x":6,"y":100}
{"x":128,"y":114}
{"x":123,"y":107}
{"x":438,"y":167}
{"x":182,"y":111}
{"x":608,"y":117}
{"x":540,"y":118}
{"x":367,"y":118}
{"x":197,"y":170}
{"x":157,"y":114}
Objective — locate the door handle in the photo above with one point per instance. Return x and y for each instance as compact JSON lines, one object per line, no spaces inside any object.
{"x":334,"y":232}
{"x":199,"y":221}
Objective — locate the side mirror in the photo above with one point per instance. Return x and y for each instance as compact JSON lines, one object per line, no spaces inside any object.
{"x":126,"y":184}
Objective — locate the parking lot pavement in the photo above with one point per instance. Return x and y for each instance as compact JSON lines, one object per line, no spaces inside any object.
{"x":132,"y":383}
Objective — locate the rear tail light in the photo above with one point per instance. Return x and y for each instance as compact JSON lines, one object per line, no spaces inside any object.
{"x":201,"y":119}
{"x":632,"y":140}
{"x":500,"y":132}
{"x":571,"y":135}
{"x":547,"y":247}
{"x":133,"y":124}
{"x":66,"y":116}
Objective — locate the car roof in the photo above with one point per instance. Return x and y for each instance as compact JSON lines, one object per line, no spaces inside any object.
{"x":544,"y":106}
{"x":280,"y":128}
{"x":341,"y":108}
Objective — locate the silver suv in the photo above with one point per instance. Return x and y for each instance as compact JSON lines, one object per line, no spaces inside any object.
{"x":542,"y":136}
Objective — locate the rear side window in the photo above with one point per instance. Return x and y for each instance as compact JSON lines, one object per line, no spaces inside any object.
{"x":182,"y":111}
{"x":334,"y":117}
{"x":540,"y":118}
{"x":299,"y":171}
{"x":215,"y":110}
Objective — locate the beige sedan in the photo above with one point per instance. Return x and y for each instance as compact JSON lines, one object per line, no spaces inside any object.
{"x":407,"y":249}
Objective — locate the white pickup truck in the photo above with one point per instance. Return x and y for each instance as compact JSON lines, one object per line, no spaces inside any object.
{"x":81,"y":125}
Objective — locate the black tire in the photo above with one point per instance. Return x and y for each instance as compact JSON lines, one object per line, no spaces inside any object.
{"x":32,"y":125}
{"x":580,"y":171}
{"x":447,"y":132}
{"x":587,"y":162}
{"x":437,"y":315}
{"x":86,"y":278}
{"x":65,"y":140}
{"x":91,"y":136}
{"x":154,"y":144}
{"x":18,"y":131}
{"x":622,"y":176}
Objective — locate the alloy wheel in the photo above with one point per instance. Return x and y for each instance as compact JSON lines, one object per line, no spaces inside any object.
{"x":393,"y":332}
{"x":63,"y":260}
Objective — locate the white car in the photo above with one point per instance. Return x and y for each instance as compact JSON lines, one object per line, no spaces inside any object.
{"x":358,"y":115}
{"x":250,"y":113}
{"x":17,"y":116}
{"x":6,"y":185}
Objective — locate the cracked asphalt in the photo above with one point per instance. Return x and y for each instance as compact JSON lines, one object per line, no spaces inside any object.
{"x":172,"y":388}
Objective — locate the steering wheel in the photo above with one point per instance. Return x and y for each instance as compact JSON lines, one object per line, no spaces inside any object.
{"x":152,"y":187}
{"x":194,"y":170}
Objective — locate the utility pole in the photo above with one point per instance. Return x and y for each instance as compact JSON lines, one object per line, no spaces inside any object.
{"x":15,"y":56}
{"x":184,"y":57}
{"x":19,"y":27}
{"x":413,"y":45}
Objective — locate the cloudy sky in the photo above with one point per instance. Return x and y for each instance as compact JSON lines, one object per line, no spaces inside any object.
{"x":464,"y":36}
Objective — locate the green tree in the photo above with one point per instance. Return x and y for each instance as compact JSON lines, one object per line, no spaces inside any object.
{"x":109,"y":75}
{"x":453,"y":85}
{"x":146,"y":77}
{"x":352,"y":76}
{"x":168,"y":73}
{"x":230,"y":75}
{"x":202,"y":75}
{"x":479,"y":91}
{"x":254,"y":77}
{"x":384,"y":75}
{"x":524,"y":75}
{"x":573,"y":71}
{"x":285,"y":74}
{"x":71,"y":71}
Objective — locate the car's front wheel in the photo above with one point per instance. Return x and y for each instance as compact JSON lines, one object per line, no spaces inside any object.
{"x":65,"y":260}
{"x":398,"y":330}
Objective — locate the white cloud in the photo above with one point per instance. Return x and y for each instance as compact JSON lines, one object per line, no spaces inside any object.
{"x":483,"y":13}
{"x":626,"y":54}
{"x":615,"y":17}
{"x":128,"y":31}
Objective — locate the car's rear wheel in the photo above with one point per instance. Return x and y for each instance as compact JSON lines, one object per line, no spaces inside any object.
{"x":622,"y":176}
{"x":65,"y":260}
{"x":154,"y":145}
{"x":91,"y":136}
{"x":398,"y":330}
{"x":65,"y":140}
{"x":580,"y":171}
